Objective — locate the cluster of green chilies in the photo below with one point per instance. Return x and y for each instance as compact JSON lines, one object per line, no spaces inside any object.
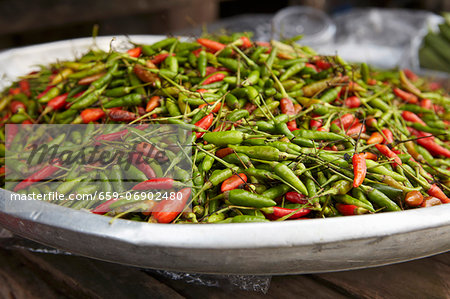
{"x":279,"y":131}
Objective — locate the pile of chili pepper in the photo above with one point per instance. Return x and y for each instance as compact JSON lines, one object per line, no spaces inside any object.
{"x":279,"y":132}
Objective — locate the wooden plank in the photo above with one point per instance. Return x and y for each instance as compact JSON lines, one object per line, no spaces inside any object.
{"x":424,"y":278}
{"x":95,"y":279}
{"x":17,"y":281}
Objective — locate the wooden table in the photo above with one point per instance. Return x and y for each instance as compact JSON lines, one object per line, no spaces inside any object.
{"x":25,"y":274}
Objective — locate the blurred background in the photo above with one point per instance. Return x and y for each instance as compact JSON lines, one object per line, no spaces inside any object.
{"x":24,"y":22}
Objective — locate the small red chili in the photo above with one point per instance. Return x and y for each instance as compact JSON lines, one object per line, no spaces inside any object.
{"x":135,"y":52}
{"x":349,"y":210}
{"x":359,"y":169}
{"x":122,"y":115}
{"x":16,"y":106}
{"x":92,"y":114}
{"x":287,"y":107}
{"x":246,"y":43}
{"x":233,"y":182}
{"x":24,"y":86}
{"x":406,"y":96}
{"x":210,"y":44}
{"x":389,"y":136}
{"x":352,"y":102}
{"x":167,"y":210}
{"x":412,"y":117}
{"x":40,"y":175}
{"x":204,"y":123}
{"x":296,"y":197}
{"x":217,"y":77}
{"x":157,"y":183}
{"x":437,"y":192}
{"x":385,"y":151}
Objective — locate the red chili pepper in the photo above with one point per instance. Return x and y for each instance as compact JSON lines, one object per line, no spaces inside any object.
{"x":197,"y":52}
{"x":118,"y":135}
{"x":214,"y":78}
{"x":412,"y":117}
{"x":345,"y":121}
{"x":322,"y":129}
{"x":296,"y":197}
{"x":2,"y":170}
{"x":371,"y":81}
{"x":371,"y":122}
{"x":246,"y":43}
{"x":24,"y":86}
{"x":221,"y":127}
{"x":152,"y":103}
{"x":315,"y":123}
{"x":210,"y":70}
{"x":349,"y":210}
{"x":356,"y":129}
{"x":359,"y":169}
{"x":287,"y":107}
{"x":27,"y":122}
{"x":429,"y":143}
{"x":385,"y":151}
{"x":150,"y":151}
{"x":233,"y":182}
{"x":311,"y":66}
{"x":135,"y":52}
{"x":216,"y":108}
{"x":370,"y":156}
{"x":104,"y":207}
{"x":16,"y":106}
{"x":322,"y":64}
{"x":223,"y":152}
{"x":438,"y":109}
{"x":166,"y":211}
{"x":11,"y":132}
{"x":92,"y":114}
{"x":426,"y":103}
{"x":406,"y":96}
{"x":38,"y":176}
{"x":160,"y":58}
{"x":210,"y":44}
{"x":279,"y":212}
{"x":434,"y":86}
{"x":121,"y":115}
{"x":204,"y":123}
{"x":158,"y":183}
{"x":137,"y":160}
{"x":389,"y":136}
{"x":201,"y":90}
{"x":89,"y":79}
{"x":14,"y":91}
{"x":352,"y":102}
{"x":433,"y":147}
{"x":410,"y":75}
{"x":437,"y":192}
{"x":57,"y":102}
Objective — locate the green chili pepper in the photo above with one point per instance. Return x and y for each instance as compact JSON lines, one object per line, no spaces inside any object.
{"x":276,"y":191}
{"x":245,"y":198}
{"x":247,"y":219}
{"x":116,"y":179}
{"x":380,"y":199}
{"x":201,"y":63}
